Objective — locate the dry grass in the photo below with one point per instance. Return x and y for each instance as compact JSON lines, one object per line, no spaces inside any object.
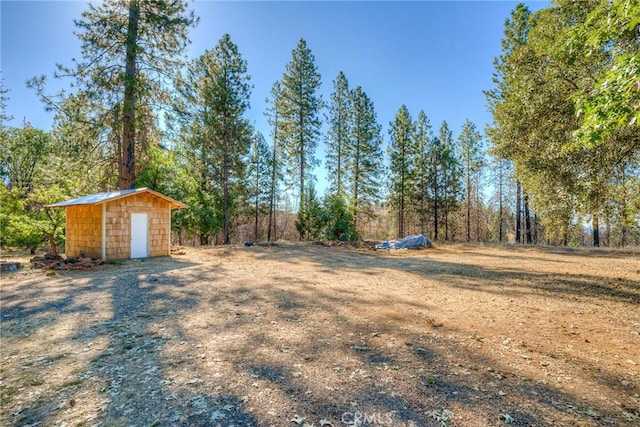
{"x":307,"y":335}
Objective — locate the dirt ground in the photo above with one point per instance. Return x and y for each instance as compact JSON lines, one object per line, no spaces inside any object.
{"x":305,"y":335}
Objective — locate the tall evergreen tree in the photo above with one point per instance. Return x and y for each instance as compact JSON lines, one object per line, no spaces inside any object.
{"x":364,"y":155}
{"x":338,"y":136}
{"x":471,"y":157}
{"x":128,"y":48}
{"x":300,"y":118}
{"x":278,"y":154}
{"x":402,"y":134}
{"x":423,"y":144}
{"x":215,"y":95}
{"x":4,"y":116}
{"x":258,"y":178}
{"x":451,"y":173}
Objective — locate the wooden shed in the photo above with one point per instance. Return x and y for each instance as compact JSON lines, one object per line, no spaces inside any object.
{"x":119,"y":224}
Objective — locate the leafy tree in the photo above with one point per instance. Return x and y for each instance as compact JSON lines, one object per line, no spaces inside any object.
{"x":215,"y":95}
{"x":402,"y":134}
{"x":22,"y":151}
{"x":129,"y":51}
{"x":564,"y":107}
{"x":30,"y":185}
{"x":611,"y":108}
{"x":16,"y":226}
{"x":364,"y":155}
{"x":339,"y":134}
{"x":471,"y":157}
{"x":300,"y":122}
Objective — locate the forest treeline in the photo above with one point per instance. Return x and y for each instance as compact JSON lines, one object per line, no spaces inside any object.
{"x":559,"y":164}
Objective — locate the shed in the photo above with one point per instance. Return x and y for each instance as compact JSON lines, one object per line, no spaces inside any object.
{"x":121,"y":224}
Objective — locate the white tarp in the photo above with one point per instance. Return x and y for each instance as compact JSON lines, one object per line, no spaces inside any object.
{"x":409,"y":242}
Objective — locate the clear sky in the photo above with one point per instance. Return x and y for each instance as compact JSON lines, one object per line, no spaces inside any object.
{"x":435,"y":56}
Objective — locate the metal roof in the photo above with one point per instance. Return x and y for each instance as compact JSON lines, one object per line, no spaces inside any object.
{"x":108,"y":196}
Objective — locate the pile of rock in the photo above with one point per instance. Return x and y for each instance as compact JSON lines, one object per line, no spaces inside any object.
{"x":53,"y":261}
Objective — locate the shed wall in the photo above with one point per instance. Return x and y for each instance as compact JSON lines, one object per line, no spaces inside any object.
{"x":118,"y":224}
{"x":84,"y":231}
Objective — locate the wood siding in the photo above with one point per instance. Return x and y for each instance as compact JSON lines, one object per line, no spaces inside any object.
{"x":84,"y":231}
{"x":118,"y":225}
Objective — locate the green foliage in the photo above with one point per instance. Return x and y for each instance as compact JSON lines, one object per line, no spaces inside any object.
{"x":29,"y":186}
{"x":22,"y":151}
{"x":566,"y":106}
{"x":17,"y":228}
{"x":612,"y":105}
{"x":340,"y":222}
{"x":311,"y":221}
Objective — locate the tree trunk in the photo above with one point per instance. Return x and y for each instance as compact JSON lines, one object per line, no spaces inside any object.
{"x":527,"y":218}
{"x":500,"y":209}
{"x":255,"y":233}
{"x":435,"y":212}
{"x":596,"y":231}
{"x":225,"y":196}
{"x":478,"y":210}
{"x":127,"y":178}
{"x":273,"y":182}
{"x":518,"y":210}
{"x":468,"y":204}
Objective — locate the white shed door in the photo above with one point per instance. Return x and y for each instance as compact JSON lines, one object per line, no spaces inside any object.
{"x":139,"y":235}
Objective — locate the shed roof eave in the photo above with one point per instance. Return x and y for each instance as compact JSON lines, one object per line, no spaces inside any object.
{"x":109,"y":196}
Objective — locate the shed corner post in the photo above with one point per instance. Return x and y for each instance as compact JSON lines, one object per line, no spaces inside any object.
{"x":169,"y":232}
{"x":104,"y":231}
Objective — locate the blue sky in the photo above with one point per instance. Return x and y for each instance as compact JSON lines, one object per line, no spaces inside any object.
{"x":431,"y":55}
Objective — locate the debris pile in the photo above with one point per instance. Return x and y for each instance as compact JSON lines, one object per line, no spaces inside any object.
{"x":367,"y":244}
{"x":9,"y":266}
{"x":53,"y":261}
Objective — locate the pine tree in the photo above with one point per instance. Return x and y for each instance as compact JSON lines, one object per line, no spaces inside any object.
{"x":4,"y":117}
{"x":423,"y":144}
{"x":364,"y":155}
{"x":471,"y":157}
{"x":300,"y":118}
{"x":215,"y":97}
{"x":402,"y":134}
{"x":278,"y":154}
{"x":258,"y":177}
{"x":451,"y":173}
{"x":128,"y":49}
{"x":338,"y":137}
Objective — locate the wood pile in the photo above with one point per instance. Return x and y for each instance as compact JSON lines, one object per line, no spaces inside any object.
{"x":51,"y":261}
